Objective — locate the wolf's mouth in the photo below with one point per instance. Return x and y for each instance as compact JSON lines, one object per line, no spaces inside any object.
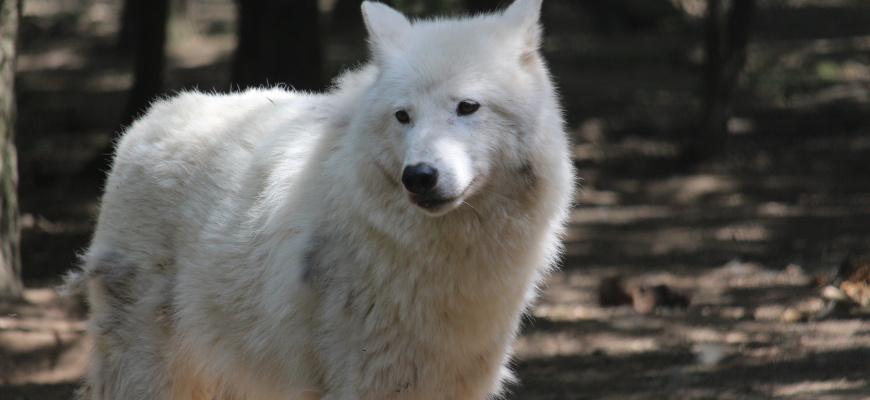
{"x":430,"y":203}
{"x":433,"y":204}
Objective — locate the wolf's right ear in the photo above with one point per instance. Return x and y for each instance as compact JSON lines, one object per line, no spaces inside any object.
{"x":387,"y":27}
{"x":523,"y":16}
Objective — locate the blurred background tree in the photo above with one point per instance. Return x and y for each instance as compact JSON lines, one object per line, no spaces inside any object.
{"x":147,"y":33}
{"x":142,"y":37}
{"x":482,"y":6}
{"x":10,"y":234}
{"x":727,"y":27}
{"x":612,"y":16}
{"x":278,"y":42}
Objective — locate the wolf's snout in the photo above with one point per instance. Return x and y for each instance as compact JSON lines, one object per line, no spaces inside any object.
{"x":419,"y":178}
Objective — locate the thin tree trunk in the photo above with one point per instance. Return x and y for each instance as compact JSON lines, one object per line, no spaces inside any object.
{"x":279,"y":42}
{"x":130,"y":23}
{"x":147,"y":22}
{"x":713,"y":119}
{"x":738,"y":28}
{"x":484,"y":6}
{"x":10,"y":232}
{"x":150,"y":56}
{"x":346,"y":16}
{"x":726,"y":41}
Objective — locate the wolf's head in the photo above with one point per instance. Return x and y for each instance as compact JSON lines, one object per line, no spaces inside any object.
{"x":457,"y":103}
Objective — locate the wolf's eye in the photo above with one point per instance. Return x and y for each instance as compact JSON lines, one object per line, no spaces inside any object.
{"x":403,"y":116}
{"x":466,"y":107}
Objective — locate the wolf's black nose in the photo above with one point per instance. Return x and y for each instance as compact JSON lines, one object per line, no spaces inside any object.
{"x":419,"y":178}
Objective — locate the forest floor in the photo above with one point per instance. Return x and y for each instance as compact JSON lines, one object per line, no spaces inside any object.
{"x":747,"y":240}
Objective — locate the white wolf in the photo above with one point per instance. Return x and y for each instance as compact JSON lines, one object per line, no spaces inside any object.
{"x":380,"y":241}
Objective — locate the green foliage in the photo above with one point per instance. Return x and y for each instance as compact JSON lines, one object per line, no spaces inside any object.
{"x":785,"y":74}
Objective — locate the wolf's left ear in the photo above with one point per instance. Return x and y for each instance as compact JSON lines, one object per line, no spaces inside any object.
{"x":387,"y":27}
{"x":523,"y":16}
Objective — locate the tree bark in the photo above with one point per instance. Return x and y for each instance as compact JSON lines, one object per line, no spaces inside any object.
{"x":145,"y":23}
{"x":150,"y":56}
{"x":346,"y":16}
{"x":726,"y":41}
{"x":130,"y":23}
{"x":484,"y":6}
{"x":10,"y":231}
{"x":713,"y":122}
{"x":279,"y":42}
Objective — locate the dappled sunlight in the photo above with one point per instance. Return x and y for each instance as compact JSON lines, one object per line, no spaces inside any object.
{"x":743,"y":232}
{"x":819,"y":388}
{"x":738,"y":274}
{"x":201,"y":52}
{"x":618,"y":215}
{"x":550,"y":344}
{"x":42,"y":340}
{"x":52,"y":59}
{"x":629,"y":147}
{"x":749,"y":248}
{"x":689,"y":189}
{"x":732,"y":328}
{"x":44,"y":356}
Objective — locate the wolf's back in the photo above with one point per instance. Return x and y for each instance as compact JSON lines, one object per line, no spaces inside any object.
{"x":187,"y":164}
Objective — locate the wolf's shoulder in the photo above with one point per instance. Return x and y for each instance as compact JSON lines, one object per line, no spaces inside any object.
{"x":190,"y":109}
{"x":194,"y":119}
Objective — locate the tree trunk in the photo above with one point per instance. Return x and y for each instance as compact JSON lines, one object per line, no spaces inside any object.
{"x":484,"y":6}
{"x":738,"y":28}
{"x":713,"y":122}
{"x":726,"y":40}
{"x":10,"y":233}
{"x":130,"y":23}
{"x":346,"y":16}
{"x":279,"y":42}
{"x":146,"y":22}
{"x":150,"y":56}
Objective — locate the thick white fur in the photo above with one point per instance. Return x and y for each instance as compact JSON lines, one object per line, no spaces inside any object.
{"x":260,"y":245}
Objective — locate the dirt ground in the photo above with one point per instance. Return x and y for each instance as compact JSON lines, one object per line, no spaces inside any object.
{"x":749,"y":240}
